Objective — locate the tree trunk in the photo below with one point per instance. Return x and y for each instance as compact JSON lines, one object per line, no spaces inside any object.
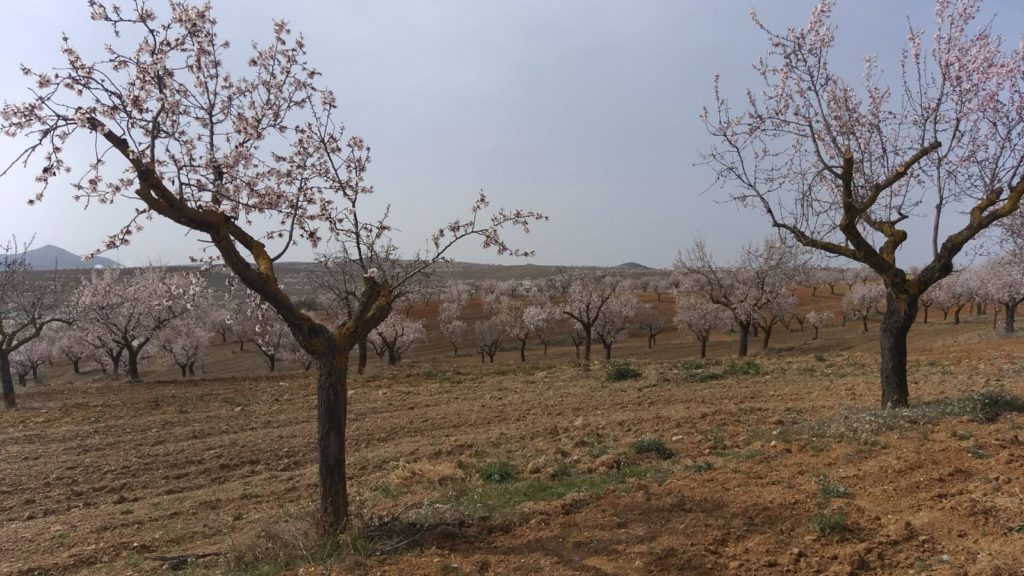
{"x":184,"y":370}
{"x":815,"y":333}
{"x":703,"y":348}
{"x":363,"y":352}
{"x":956,"y":314}
{"x":192,"y":368}
{"x":241,"y":345}
{"x":392,"y":356}
{"x":522,"y":350}
{"x":926,"y":307}
{"x":744,"y":338}
{"x":7,"y":380}
{"x":900,"y":311}
{"x":35,"y":374}
{"x":608,"y":350}
{"x":331,"y":410}
{"x":76,"y":365}
{"x":995,"y":318}
{"x":272,"y":359}
{"x":1009,"y":311}
{"x":133,"y":363}
{"x":767,"y":333}
{"x":586,"y":344}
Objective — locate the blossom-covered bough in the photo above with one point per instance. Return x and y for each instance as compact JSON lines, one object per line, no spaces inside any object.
{"x":840,"y":167}
{"x":222,"y":151}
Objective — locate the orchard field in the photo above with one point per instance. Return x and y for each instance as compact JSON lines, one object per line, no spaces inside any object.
{"x":775,"y":464}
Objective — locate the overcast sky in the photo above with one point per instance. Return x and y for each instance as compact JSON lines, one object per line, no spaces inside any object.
{"x":585,"y":110}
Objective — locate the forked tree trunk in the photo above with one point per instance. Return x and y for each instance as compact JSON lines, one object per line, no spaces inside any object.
{"x":815,"y":333}
{"x":184,"y":370}
{"x":76,"y":365}
{"x":607,"y":350}
{"x":900,"y":311}
{"x":8,"y":381}
{"x":331,"y":411}
{"x":766,"y":335}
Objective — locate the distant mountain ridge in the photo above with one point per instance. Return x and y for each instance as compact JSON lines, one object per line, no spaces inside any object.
{"x":49,"y":257}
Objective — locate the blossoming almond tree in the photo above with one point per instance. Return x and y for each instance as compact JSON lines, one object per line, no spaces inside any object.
{"x":28,"y":305}
{"x":216,"y":149}
{"x":840,"y":167}
{"x":128,"y":309}
{"x":700,"y":317}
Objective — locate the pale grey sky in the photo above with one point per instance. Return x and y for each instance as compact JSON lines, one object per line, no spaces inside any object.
{"x":585,"y":110}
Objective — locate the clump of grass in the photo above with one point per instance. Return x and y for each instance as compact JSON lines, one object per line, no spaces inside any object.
{"x":829,"y":522}
{"x":745,"y":367}
{"x":1018,"y":529}
{"x":652,"y":445}
{"x":819,"y":357}
{"x":977,"y":453}
{"x":829,"y":488}
{"x":497,"y":472}
{"x":619,"y":370}
{"x":701,"y":377}
{"x":691,"y":365}
{"x":984,"y":406}
{"x":700,"y":467}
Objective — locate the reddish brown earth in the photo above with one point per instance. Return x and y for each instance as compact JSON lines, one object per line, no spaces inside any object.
{"x":95,"y":477}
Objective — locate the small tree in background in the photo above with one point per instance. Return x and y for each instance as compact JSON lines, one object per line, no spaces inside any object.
{"x":819,"y":320}
{"x":701,"y":317}
{"x":28,"y":304}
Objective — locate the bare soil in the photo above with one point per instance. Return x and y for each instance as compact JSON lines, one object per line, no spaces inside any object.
{"x":97,"y":477}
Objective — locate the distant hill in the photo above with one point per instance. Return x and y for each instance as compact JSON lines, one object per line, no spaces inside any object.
{"x":632,"y":266}
{"x":49,"y":257}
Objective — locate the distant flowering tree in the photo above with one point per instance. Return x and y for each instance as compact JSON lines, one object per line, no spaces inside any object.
{"x":587,"y":296}
{"x":700,"y":317}
{"x":215,"y":147}
{"x":861,"y":300}
{"x":1001,"y":280}
{"x":28,"y":305}
{"x":489,"y":334}
{"x":840,"y":166}
{"x":651,"y":321}
{"x":541,"y":317}
{"x":452,"y":326}
{"x":71,"y":343}
{"x":613,"y":323}
{"x":761,"y":276}
{"x":396,"y":335}
{"x":30,"y":358}
{"x":126,"y":310}
{"x":818,"y":320}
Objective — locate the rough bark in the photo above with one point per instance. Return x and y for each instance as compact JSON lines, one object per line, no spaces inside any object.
{"x":744,"y":339}
{"x":331,"y":411}
{"x":900,"y":311}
